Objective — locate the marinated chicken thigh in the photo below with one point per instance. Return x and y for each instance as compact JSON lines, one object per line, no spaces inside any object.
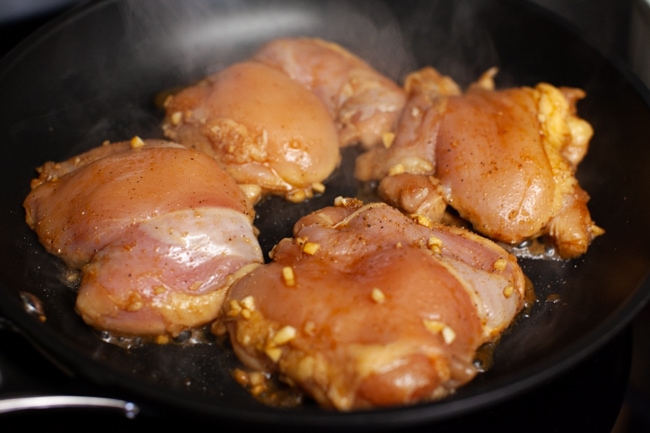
{"x":505,"y":160}
{"x":366,"y":307}
{"x":157,"y":230}
{"x":365,"y":103}
{"x":265,"y":130}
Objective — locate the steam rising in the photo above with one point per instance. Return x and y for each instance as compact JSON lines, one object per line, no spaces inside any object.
{"x":203,"y":37}
{"x":156,"y":46}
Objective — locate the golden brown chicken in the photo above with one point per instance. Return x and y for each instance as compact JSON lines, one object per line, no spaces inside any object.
{"x":366,"y":307}
{"x":157,"y":231}
{"x":504,"y":160}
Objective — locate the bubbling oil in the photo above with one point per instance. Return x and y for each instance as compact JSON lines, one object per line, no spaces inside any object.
{"x":190,"y":337}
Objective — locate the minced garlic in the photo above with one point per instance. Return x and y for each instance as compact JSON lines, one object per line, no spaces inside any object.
{"x":245,"y":307}
{"x":422,"y":220}
{"x":387,"y":139}
{"x":176,"y":118}
{"x":234,"y":308}
{"x":162,"y":339}
{"x":500,"y":264}
{"x":341,"y":201}
{"x":134,"y":303}
{"x":310,"y":248}
{"x":288,"y":276}
{"x":136,"y":142}
{"x":436,"y":326}
{"x":248,"y":303}
{"x":296,"y":196}
{"x":378,"y":296}
{"x":396,"y":169}
{"x":434,"y":244}
{"x":284,"y":335}
{"x":448,"y":335}
{"x":274,"y":353}
{"x":318,"y":187}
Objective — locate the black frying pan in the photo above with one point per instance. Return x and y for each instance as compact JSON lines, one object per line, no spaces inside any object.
{"x":94,"y":75}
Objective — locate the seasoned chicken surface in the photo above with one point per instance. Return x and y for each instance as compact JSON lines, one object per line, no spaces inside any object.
{"x":265,"y":130}
{"x":157,"y":230}
{"x":365,"y":103}
{"x":505,"y":160}
{"x":365,"y":307}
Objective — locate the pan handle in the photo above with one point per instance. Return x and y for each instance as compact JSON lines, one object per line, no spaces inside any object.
{"x":31,"y":402}
{"x":67,"y":401}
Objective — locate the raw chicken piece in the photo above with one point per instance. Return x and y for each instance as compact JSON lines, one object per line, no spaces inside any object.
{"x":505,"y":160}
{"x":157,"y":230}
{"x":267,"y":131}
{"x":366,"y":307}
{"x":365,"y":103}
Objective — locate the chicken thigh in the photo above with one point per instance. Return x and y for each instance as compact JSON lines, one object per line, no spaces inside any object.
{"x":366,"y":307}
{"x":157,"y":230}
{"x":365,"y":103}
{"x":267,"y":131}
{"x":504,"y":160}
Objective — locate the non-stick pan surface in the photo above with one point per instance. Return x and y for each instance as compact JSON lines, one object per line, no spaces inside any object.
{"x":94,"y":75}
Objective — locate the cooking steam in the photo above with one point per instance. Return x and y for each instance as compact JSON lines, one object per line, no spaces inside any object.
{"x":217,"y":34}
{"x":214,"y":35}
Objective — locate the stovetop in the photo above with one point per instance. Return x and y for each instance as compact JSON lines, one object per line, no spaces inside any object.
{"x":591,"y":397}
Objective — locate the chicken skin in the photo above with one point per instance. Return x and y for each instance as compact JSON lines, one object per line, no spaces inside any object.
{"x":269,"y":133}
{"x":365,"y":103}
{"x":504,"y":160}
{"x":157,"y":230}
{"x":366,"y":307}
